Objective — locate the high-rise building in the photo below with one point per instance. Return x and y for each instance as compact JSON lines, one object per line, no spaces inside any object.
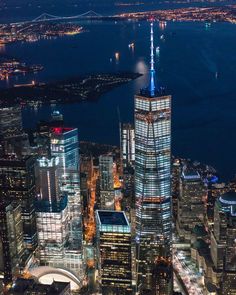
{"x":17,"y":182}
{"x":153,"y":184}
{"x":223,"y":247}
{"x":11,"y":239}
{"x":191,"y":208}
{"x":65,"y":146}
{"x":12,"y":137}
{"x":106,"y":172}
{"x":128,"y":160}
{"x":53,"y":230}
{"x":127,"y":145}
{"x":114,"y":252}
{"x":107,"y":194}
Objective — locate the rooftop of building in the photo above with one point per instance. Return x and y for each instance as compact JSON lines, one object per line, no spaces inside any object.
{"x":127,"y":126}
{"x":190,"y":174}
{"x":61,"y":130}
{"x":158,"y":93}
{"x":112,"y":218}
{"x":56,"y":206}
{"x":228,"y":198}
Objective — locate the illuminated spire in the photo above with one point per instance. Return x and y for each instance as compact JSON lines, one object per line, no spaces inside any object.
{"x":152,"y":86}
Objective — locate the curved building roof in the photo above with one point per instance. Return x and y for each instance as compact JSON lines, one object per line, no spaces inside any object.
{"x":228,"y":198}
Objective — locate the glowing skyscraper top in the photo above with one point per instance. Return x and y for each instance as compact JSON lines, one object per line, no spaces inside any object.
{"x":152,"y":86}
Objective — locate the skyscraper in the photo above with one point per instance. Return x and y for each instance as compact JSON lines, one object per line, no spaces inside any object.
{"x":114,"y":252}
{"x":11,"y":239}
{"x":53,"y":230}
{"x":223,"y":248}
{"x":64,"y":145}
{"x":153,"y":185}
{"x":17,"y":182}
{"x":191,"y":207}
{"x":127,"y":144}
{"x":107,"y":194}
{"x":12,"y":137}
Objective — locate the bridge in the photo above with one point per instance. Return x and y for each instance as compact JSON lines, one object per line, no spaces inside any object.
{"x":44,"y":17}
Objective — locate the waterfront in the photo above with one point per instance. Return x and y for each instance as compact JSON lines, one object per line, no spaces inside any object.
{"x":13,"y":10}
{"x":197,"y":64}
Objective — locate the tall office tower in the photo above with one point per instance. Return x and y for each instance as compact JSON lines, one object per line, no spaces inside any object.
{"x":11,"y":239}
{"x":65,"y":146}
{"x":17,"y":182}
{"x":47,"y":179}
{"x":223,"y":246}
{"x":114,"y":252}
{"x":191,"y":208}
{"x":127,"y":145}
{"x":53,"y":230}
{"x":12,"y":137}
{"x":153,"y":184}
{"x":128,"y":159}
{"x":58,"y":231}
{"x":107,"y":194}
{"x":42,"y":135}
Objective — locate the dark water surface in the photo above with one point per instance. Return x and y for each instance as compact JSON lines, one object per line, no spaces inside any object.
{"x":197,"y":65}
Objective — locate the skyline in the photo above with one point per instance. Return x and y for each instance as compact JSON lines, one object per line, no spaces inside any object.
{"x":80,"y":217}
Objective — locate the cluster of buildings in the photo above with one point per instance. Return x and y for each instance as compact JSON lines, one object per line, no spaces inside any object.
{"x":113,"y":222}
{"x":204,"y":14}
{"x":40,"y":199}
{"x":203,"y":214}
{"x":24,"y":32}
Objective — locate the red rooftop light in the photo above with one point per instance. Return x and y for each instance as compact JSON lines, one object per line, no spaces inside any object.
{"x":60,"y":130}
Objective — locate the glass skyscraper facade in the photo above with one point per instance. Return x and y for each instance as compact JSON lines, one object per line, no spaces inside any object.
{"x":127,"y":145}
{"x":153,"y":185}
{"x":107,"y":193}
{"x":64,"y":145}
{"x":17,"y":183}
{"x":53,"y":230}
{"x":223,"y":250}
{"x":191,"y":206}
{"x":11,"y":239}
{"x":114,"y":252}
